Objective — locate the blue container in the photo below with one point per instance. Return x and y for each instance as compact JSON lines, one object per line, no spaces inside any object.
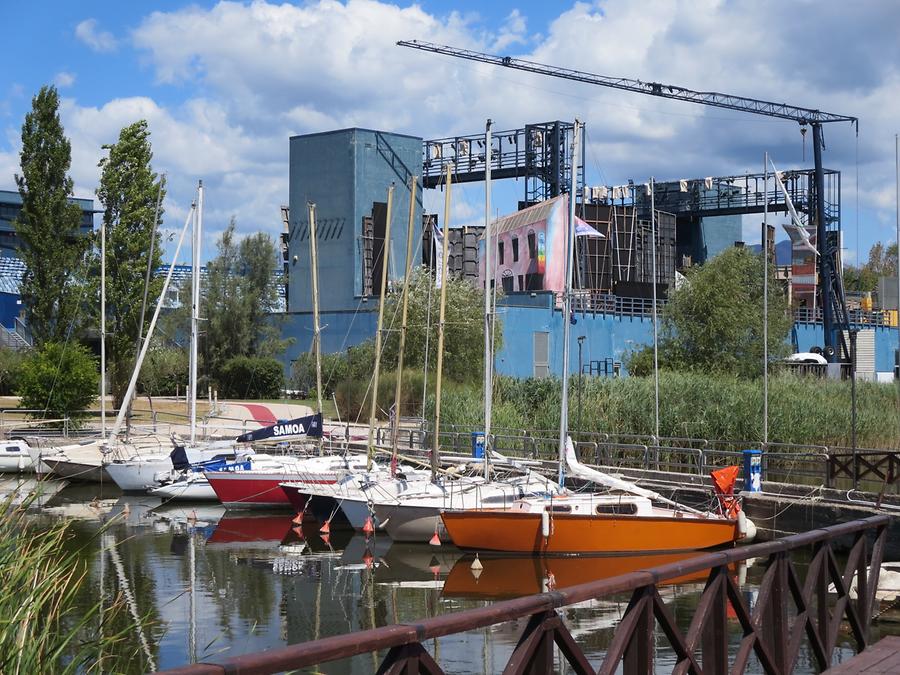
{"x":752,"y":471}
{"x":478,"y":444}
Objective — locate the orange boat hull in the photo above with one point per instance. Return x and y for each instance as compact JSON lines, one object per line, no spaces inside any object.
{"x":514,"y":577}
{"x":521,"y":532}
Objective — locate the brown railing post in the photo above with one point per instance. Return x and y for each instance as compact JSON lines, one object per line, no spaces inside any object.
{"x":715,"y":627}
{"x":773,"y":595}
{"x":638,"y":656}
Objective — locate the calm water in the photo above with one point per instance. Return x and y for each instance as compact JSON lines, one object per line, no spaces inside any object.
{"x":215,"y":583}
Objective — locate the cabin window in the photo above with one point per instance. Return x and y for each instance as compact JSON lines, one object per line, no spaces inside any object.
{"x":560,"y":508}
{"x":532,"y":246}
{"x":515,"y":246}
{"x":12,"y":448}
{"x":627,"y":509}
{"x":500,"y":252}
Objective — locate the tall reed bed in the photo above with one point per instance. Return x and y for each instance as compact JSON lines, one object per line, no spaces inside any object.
{"x":45,"y":626}
{"x":714,"y":407}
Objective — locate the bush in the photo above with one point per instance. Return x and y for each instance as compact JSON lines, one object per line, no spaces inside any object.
{"x":59,"y":379}
{"x":11,"y":361}
{"x":164,"y":372}
{"x":251,"y":377}
{"x":334,"y":370}
{"x":354,"y":403}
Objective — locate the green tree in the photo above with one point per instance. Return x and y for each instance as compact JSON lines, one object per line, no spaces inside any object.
{"x":882,"y":262}
{"x":53,"y":249}
{"x":713,"y":323}
{"x":128,"y":191}
{"x":240,"y":299}
{"x":463,"y":326}
{"x":60,"y":379}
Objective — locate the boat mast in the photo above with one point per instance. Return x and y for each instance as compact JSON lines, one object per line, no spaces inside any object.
{"x":117,"y":426}
{"x":440,"y":349}
{"x":395,"y":427}
{"x":317,"y":336}
{"x":385,"y":250}
{"x":567,"y":307}
{"x":103,"y":328}
{"x":488,"y":324}
{"x":195,"y":308}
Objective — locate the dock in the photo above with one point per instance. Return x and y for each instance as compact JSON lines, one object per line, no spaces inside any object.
{"x":882,"y":657}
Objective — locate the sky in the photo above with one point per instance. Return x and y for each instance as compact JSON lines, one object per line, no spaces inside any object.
{"x":223,"y":85}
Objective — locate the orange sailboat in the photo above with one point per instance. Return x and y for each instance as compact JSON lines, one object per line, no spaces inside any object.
{"x":622,"y":520}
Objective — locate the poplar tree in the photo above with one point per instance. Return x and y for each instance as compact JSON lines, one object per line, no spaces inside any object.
{"x":128,"y":192}
{"x":240,"y":300}
{"x":53,"y":249}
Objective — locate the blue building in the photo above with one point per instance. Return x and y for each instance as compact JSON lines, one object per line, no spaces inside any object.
{"x":346,"y":174}
{"x":11,"y":266}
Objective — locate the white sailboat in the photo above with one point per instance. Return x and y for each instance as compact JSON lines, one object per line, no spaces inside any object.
{"x":87,"y":461}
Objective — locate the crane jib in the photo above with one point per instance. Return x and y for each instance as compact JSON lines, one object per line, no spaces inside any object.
{"x":710,"y":98}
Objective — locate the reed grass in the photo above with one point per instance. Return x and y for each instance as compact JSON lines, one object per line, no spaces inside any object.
{"x":45,"y":626}
{"x":802,"y":411}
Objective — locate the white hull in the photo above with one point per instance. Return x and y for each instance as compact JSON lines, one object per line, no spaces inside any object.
{"x":412,"y":523}
{"x":357,"y":512}
{"x":137,"y":475}
{"x":15,"y":457}
{"x":416,"y":519}
{"x":198,"y":490}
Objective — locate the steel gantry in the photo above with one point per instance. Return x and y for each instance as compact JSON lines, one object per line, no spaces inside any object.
{"x":834,"y":311}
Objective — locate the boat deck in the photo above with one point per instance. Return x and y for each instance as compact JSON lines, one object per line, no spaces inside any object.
{"x":882,"y":657}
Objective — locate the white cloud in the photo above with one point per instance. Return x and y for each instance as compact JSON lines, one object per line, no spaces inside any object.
{"x":64,"y":79}
{"x":267,"y":71}
{"x":98,"y":40}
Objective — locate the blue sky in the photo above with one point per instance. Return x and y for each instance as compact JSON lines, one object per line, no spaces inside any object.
{"x":224,"y":85}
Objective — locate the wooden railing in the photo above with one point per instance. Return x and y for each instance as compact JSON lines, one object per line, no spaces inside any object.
{"x":874,"y":465}
{"x":788,"y":613}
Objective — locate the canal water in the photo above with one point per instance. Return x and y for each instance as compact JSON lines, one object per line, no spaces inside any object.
{"x":208,"y":583}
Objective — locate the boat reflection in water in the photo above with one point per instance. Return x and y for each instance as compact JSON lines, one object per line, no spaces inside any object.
{"x":511,"y":577}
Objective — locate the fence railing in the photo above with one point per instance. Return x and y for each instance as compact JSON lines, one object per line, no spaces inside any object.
{"x":792,"y":610}
{"x":875,"y":469}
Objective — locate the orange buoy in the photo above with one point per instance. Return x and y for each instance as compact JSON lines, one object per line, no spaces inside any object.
{"x":298,"y":519}
{"x":368,"y":528}
{"x":368,"y":559}
{"x":435,"y":539}
{"x":325,"y":529}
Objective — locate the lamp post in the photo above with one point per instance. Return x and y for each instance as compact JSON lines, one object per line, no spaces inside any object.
{"x":580,"y":380}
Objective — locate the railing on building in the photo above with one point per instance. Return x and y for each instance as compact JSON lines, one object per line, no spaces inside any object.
{"x":792,"y":609}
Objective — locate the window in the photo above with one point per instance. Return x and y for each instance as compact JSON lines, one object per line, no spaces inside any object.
{"x":617,"y":509}
{"x":532,"y":246}
{"x":500,"y":252}
{"x":515,"y":245}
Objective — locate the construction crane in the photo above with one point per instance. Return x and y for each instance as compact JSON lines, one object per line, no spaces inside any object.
{"x":834,"y":310}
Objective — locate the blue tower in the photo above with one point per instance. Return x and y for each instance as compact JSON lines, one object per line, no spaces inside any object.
{"x":347,"y":173}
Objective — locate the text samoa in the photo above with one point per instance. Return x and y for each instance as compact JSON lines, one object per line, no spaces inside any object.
{"x":288,"y":429}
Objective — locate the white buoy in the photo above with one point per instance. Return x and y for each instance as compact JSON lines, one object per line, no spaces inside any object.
{"x":746,"y":528}
{"x":476,"y":567}
{"x":545,"y":524}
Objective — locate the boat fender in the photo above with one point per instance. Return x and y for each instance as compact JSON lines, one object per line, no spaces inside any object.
{"x":746,"y":528}
{"x":545,"y":524}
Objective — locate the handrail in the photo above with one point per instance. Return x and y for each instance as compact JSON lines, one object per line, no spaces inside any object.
{"x":542,"y":606}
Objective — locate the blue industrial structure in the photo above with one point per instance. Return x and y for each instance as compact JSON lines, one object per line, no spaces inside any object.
{"x":533,"y":329}
{"x":347,"y":174}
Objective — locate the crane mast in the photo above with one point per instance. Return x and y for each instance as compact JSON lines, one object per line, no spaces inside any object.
{"x":834,"y":310}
